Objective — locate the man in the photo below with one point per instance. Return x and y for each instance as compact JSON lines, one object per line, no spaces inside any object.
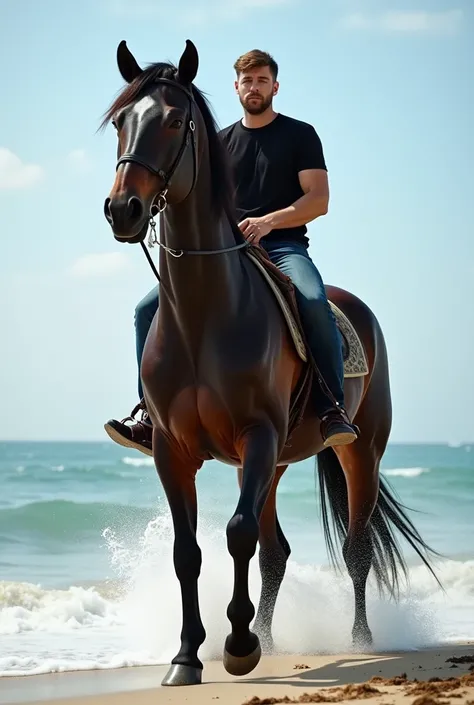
{"x":281,"y":185}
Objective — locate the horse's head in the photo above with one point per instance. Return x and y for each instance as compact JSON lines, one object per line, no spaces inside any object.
{"x":155,"y":119}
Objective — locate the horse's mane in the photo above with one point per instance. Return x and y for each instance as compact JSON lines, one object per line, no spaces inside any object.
{"x":221,"y":179}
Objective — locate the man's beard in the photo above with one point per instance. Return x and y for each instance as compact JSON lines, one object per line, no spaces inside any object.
{"x":257,"y":107}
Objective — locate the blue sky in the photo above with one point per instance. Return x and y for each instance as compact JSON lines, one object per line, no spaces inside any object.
{"x":387,"y":85}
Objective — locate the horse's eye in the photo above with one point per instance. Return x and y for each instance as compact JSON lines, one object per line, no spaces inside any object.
{"x":176,"y":124}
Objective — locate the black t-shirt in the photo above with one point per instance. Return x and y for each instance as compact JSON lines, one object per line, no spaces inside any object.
{"x":265,"y":162}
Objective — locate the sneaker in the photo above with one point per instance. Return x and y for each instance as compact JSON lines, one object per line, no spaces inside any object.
{"x":336,"y":429}
{"x":138,"y":434}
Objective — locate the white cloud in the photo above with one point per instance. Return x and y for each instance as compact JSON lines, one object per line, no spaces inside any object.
{"x":445,"y":23}
{"x":99,"y":265}
{"x":192,"y":12}
{"x":79,"y":161}
{"x":15,"y":174}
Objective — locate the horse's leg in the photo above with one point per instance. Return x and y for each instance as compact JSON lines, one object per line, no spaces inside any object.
{"x":363,"y":506}
{"x":373,"y":515}
{"x":351,"y":481}
{"x":273,"y":555}
{"x":350,"y":476}
{"x":361,"y":462}
{"x":361,"y":466}
{"x":178,"y":478}
{"x":260,"y":451}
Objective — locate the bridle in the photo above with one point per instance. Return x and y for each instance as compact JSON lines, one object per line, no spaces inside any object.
{"x":160,"y":203}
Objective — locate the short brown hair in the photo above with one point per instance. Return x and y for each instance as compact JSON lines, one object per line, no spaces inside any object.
{"x":256,"y":59}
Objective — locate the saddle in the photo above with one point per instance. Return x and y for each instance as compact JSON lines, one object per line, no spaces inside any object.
{"x":355,"y":361}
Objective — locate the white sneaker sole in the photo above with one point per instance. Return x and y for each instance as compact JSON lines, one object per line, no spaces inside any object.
{"x":340,"y":439}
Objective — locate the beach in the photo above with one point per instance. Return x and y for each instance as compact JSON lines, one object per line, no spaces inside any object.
{"x":390,"y":678}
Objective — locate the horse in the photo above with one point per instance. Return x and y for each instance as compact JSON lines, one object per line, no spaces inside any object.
{"x":220,"y":370}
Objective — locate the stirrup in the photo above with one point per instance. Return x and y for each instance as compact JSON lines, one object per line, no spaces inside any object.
{"x":141,"y":406}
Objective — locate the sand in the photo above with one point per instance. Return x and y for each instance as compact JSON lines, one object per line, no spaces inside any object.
{"x":388,"y":678}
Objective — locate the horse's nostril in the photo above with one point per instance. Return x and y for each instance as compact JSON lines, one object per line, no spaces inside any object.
{"x":134,"y":208}
{"x":107,"y":211}
{"x":124,"y":213}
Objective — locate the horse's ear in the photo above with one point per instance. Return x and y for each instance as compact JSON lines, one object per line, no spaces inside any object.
{"x":127,"y":64}
{"x":188,"y":64}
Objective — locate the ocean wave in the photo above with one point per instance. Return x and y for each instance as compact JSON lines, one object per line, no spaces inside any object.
{"x":62,"y":472}
{"x":139,"y":462}
{"x":64,"y":519}
{"x":137,"y":619}
{"x":405,"y":472}
{"x":14,"y":666}
{"x":25,"y":607}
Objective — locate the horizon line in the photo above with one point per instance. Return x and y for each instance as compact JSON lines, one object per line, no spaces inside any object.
{"x":107,"y":440}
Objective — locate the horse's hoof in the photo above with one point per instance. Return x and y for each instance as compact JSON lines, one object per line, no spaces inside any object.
{"x":241,"y":665}
{"x":182,"y":675}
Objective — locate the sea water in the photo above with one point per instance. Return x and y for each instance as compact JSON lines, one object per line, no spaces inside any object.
{"x":87,"y":578}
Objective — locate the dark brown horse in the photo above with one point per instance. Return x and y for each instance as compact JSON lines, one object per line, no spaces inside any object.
{"x":219,"y":370}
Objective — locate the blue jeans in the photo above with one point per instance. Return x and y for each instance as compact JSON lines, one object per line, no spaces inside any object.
{"x":316,"y":315}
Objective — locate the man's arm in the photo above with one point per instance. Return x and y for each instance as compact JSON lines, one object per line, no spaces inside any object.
{"x":313,"y":178}
{"x":314,"y":203}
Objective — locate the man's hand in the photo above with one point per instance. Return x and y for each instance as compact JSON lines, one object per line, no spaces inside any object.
{"x":254,"y":229}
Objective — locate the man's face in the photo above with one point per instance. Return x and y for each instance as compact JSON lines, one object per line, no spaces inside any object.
{"x":256,"y":89}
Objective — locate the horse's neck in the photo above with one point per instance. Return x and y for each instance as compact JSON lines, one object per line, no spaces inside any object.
{"x":198,"y":287}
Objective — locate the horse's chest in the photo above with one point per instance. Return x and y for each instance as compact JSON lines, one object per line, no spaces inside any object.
{"x":202,"y":404}
{"x":197,"y":419}
{"x":193,"y":406}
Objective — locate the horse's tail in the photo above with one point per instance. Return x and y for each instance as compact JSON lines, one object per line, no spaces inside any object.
{"x":387,"y":559}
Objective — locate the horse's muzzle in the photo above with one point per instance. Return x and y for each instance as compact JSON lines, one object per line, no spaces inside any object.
{"x":126,"y":216}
